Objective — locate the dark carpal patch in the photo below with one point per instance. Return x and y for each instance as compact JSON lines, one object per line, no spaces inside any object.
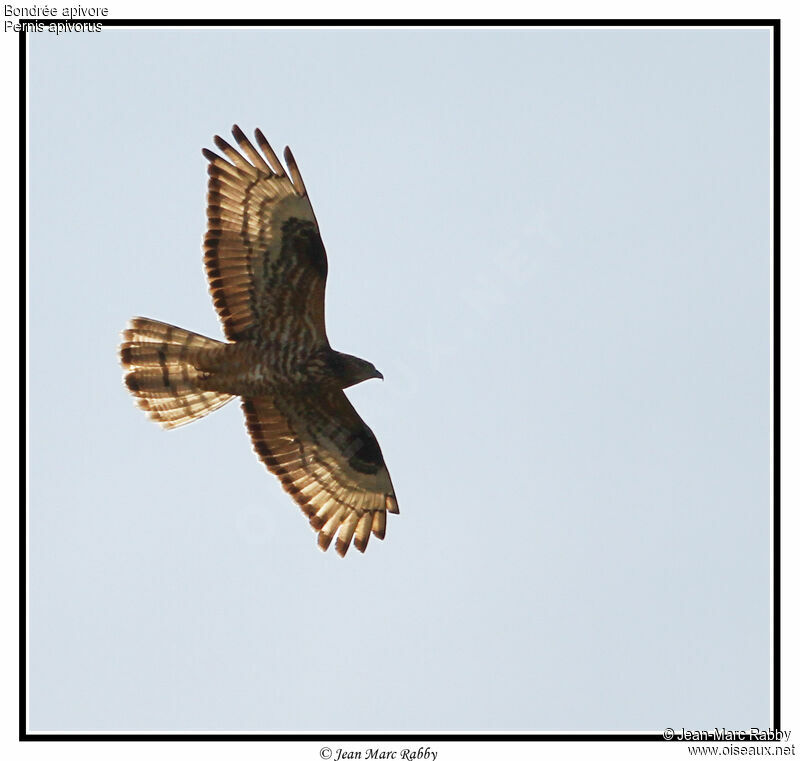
{"x":367,"y":457}
{"x":301,"y":238}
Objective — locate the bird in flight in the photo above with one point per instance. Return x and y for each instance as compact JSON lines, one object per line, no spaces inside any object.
{"x":266,"y":267}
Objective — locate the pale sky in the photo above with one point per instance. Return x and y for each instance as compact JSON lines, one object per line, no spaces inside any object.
{"x":555,"y":246}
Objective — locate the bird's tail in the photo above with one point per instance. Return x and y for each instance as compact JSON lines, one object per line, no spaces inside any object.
{"x":162,"y":371}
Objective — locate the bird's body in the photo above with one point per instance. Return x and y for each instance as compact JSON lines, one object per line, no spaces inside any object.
{"x":267,"y":267}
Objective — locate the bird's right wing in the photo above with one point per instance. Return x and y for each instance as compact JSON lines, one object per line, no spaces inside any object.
{"x":328,"y":459}
{"x":265,"y":261}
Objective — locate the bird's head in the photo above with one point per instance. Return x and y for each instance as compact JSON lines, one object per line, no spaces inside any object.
{"x":351,"y":370}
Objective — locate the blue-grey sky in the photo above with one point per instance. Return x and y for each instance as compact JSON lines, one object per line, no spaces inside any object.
{"x":554,"y":244}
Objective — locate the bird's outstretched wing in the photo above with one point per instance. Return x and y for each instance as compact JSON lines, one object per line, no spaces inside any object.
{"x":328,"y":459}
{"x":264,"y":258}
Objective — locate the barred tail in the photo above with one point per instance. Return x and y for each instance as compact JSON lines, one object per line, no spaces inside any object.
{"x":161,"y":361}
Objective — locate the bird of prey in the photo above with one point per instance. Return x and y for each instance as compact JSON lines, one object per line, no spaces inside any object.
{"x":266,"y":267}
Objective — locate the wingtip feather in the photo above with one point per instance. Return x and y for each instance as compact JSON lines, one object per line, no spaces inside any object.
{"x":362,"y":532}
{"x":297,"y":178}
{"x":222,"y":144}
{"x":324,"y":541}
{"x":272,"y":157}
{"x":341,"y":548}
{"x":379,"y":525}
{"x":346,"y":533}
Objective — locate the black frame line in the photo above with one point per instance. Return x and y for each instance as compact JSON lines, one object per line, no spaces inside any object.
{"x":344,"y":737}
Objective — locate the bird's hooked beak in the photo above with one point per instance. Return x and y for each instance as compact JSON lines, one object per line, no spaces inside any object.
{"x":378,"y":374}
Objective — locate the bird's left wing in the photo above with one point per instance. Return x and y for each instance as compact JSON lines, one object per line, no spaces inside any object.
{"x":265,"y":261}
{"x":328,"y":459}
